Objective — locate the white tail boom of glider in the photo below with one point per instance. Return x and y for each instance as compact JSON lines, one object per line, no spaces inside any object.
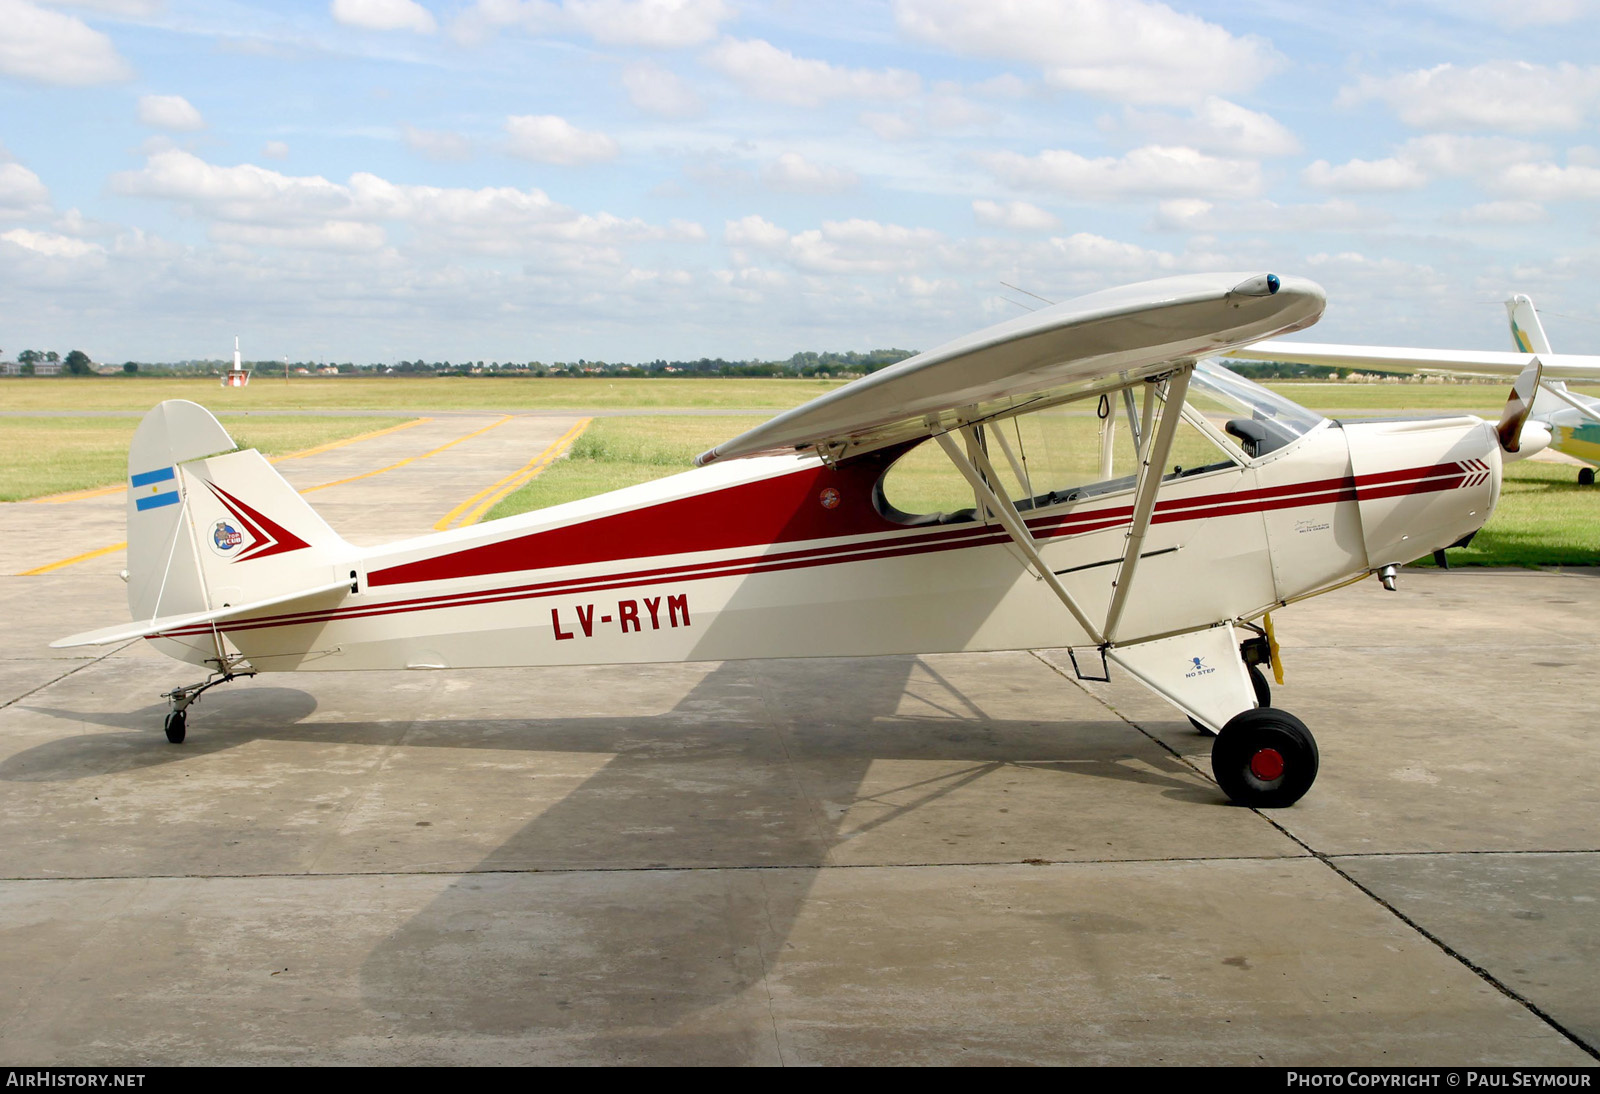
{"x":1204,"y":503}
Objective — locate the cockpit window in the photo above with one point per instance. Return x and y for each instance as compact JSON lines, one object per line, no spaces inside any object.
{"x":1259,"y":421}
{"x":1065,"y":454}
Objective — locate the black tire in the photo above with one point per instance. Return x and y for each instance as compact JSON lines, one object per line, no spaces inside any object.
{"x":177,"y":727}
{"x":1258,"y":680}
{"x":1586,"y":477}
{"x":1265,"y":758}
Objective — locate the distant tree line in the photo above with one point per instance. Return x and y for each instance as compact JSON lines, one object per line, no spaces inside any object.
{"x":804,"y":364}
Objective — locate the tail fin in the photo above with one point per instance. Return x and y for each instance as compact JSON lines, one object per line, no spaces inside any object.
{"x":1526,"y":330}
{"x":210,"y":526}
{"x":1528,"y":335}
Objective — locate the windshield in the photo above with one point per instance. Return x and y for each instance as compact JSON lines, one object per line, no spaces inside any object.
{"x":1260,"y":420}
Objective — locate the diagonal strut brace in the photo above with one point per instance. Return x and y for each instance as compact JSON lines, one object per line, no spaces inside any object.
{"x":995,"y":499}
{"x":1153,"y":459}
{"x":1586,"y":411}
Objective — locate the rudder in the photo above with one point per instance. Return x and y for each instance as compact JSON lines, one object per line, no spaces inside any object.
{"x":210,"y":525}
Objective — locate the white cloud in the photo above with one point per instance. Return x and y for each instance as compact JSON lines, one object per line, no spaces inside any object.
{"x":837,"y":247}
{"x":1217,"y":125}
{"x":1128,"y":50}
{"x":1365,"y":176}
{"x":767,"y":72}
{"x":793,"y":172}
{"x":654,"y":24}
{"x":658,"y":91}
{"x":169,"y":112}
{"x":1510,"y":96}
{"x":22,"y":194}
{"x":551,"y":139}
{"x":275,"y":150}
{"x":754,"y":231}
{"x":51,"y":245}
{"x":1015,"y":214}
{"x":1420,"y":160}
{"x":947,"y":109}
{"x":1513,"y":14}
{"x":661,"y":24}
{"x":1551,"y":182}
{"x":1503,"y":212}
{"x":332,"y":235}
{"x":257,"y":206}
{"x":1154,"y":170}
{"x":1193,"y":215}
{"x":438,"y":145}
{"x":1088,"y":251}
{"x":134,"y":8}
{"x":888,"y":127}
{"x":384,"y":15}
{"x":52,"y":48}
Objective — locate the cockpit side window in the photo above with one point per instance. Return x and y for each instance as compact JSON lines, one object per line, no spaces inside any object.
{"x":1059,"y":456}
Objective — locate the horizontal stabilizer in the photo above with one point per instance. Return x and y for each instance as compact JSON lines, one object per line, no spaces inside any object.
{"x":151,"y":628}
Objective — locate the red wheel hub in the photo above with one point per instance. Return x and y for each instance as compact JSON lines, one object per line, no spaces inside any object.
{"x":1267,"y":764}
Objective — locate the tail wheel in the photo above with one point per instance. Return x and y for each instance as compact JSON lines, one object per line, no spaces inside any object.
{"x":177,"y":726}
{"x":1265,"y":758}
{"x":1586,"y":477}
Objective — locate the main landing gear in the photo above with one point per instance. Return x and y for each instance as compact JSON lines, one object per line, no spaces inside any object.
{"x":177,"y":723}
{"x":1265,"y":758}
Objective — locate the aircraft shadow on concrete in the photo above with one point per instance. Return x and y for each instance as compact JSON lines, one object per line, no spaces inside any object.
{"x":583,"y":926}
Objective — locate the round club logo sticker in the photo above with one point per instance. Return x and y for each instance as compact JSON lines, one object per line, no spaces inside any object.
{"x":225,"y":538}
{"x":829,"y":498}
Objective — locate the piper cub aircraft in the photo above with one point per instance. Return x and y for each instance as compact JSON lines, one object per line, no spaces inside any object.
{"x":815,"y":534}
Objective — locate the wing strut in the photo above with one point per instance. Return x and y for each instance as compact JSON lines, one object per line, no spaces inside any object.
{"x":1569,"y":400}
{"x":994,"y":498}
{"x":1152,"y":459}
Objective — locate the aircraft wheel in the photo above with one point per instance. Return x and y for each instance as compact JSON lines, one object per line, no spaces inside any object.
{"x":1586,"y":477}
{"x":1258,"y":680}
{"x":177,"y":726}
{"x":1265,"y":758}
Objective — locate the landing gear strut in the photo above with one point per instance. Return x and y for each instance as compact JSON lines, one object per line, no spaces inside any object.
{"x":177,"y":723}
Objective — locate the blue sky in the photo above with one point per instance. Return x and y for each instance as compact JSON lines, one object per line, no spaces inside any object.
{"x":376,"y":180}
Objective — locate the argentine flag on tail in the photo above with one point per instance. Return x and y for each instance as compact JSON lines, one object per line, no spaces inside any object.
{"x":153,"y":489}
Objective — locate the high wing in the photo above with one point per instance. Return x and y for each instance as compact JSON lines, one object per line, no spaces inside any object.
{"x":1557,"y":366}
{"x":1103,"y":341}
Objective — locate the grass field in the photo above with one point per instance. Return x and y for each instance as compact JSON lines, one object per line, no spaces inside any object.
{"x":407,"y":393}
{"x":402,"y":393}
{"x":43,"y":456}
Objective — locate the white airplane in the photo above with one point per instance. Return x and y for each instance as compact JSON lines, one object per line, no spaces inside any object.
{"x":1559,"y":419}
{"x":1572,"y":420}
{"x":787,"y":541}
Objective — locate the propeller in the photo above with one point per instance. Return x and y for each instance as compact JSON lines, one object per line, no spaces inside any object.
{"x":1518,"y":406}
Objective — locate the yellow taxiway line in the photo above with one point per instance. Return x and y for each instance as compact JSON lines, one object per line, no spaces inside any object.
{"x":484,"y":500}
{"x":87,"y":555}
{"x":102,"y":491}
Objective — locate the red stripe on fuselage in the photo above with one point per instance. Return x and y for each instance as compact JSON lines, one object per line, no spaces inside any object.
{"x":905,"y":542}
